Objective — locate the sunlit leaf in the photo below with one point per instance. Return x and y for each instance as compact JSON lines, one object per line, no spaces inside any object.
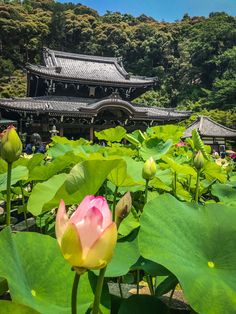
{"x":155,"y":148}
{"x":198,"y":245}
{"x":44,"y":279}
{"x":111,"y":135}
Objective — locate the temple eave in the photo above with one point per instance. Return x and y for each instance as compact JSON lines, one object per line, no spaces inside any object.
{"x":74,"y":107}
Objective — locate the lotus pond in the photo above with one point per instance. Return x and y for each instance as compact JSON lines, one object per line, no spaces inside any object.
{"x":164,"y":220}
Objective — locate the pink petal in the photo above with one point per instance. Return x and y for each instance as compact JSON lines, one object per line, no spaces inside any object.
{"x":61,"y":221}
{"x":90,"y":229}
{"x":102,"y":250}
{"x":82,"y":209}
{"x":101,"y":203}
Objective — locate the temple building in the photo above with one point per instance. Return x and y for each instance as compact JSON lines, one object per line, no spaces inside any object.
{"x":79,"y":94}
{"x":212,"y":133}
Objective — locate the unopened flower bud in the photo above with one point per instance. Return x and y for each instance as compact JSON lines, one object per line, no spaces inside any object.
{"x":123,"y":207}
{"x":47,"y":147}
{"x":88,"y":237}
{"x":149,"y":169}
{"x":11,"y":145}
{"x":198,"y":161}
{"x":33,"y":149}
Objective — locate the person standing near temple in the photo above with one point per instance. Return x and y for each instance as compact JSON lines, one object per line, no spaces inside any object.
{"x":35,"y":145}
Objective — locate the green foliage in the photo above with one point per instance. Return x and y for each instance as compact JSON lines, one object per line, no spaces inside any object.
{"x":12,"y":307}
{"x":170,"y":238}
{"x":41,"y":283}
{"x":111,"y":135}
{"x":193,"y":59}
{"x":185,"y":239}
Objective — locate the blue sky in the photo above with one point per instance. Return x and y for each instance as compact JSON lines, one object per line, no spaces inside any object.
{"x":168,"y":10}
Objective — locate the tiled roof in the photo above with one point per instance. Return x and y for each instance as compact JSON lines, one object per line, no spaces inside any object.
{"x":86,"y":68}
{"x":207,"y":127}
{"x":88,"y":107}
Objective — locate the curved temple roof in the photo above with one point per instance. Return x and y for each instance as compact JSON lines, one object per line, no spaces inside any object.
{"x":87,"y":107}
{"x":87,"y":68}
{"x":207,"y":127}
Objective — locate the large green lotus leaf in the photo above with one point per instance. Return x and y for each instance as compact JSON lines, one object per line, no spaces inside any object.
{"x":128,"y":224}
{"x":119,"y":176}
{"x":18,"y":173}
{"x":37,"y":274}
{"x":212,"y":171}
{"x":43,"y":193}
{"x":134,"y":169}
{"x":35,"y":161}
{"x":133,"y":140}
{"x":165,"y":132}
{"x":155,"y":148}
{"x":198,"y":245}
{"x":3,"y":165}
{"x":136,"y":138}
{"x":118,"y":151}
{"x":180,"y":169}
{"x":226,"y":193}
{"x":165,"y":284}
{"x":111,"y":135}
{"x":44,"y":172}
{"x":87,"y":176}
{"x":150,"y":267}
{"x":143,"y":304}
{"x":61,"y":149}
{"x":64,"y":140}
{"x":182,"y":193}
{"x":3,"y":286}
{"x":166,"y":175}
{"x":158,"y":184}
{"x":8,"y":307}
{"x":125,"y":255}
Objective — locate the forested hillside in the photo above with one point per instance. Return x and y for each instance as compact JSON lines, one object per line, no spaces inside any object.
{"x":194,"y":59}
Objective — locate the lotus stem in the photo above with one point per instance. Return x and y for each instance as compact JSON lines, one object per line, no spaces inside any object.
{"x":23,"y":202}
{"x":138,"y":279}
{"x":197,"y":186}
{"x":120,"y":287}
{"x":114,"y":203}
{"x":98,"y":292}
{"x":171,"y":298}
{"x":189,"y":182}
{"x":74,"y":294}
{"x":174,"y":183}
{"x":150,"y":284}
{"x":146,"y":191}
{"x":9,"y":169}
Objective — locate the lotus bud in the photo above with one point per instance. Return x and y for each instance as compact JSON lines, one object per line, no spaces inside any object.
{"x":199,"y":161}
{"x":149,"y":169}
{"x":47,"y":147}
{"x":33,"y":149}
{"x":11,"y":145}
{"x":87,"y":239}
{"x":123,"y":208}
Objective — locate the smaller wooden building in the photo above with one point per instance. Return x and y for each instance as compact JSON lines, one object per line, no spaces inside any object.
{"x":211,"y":132}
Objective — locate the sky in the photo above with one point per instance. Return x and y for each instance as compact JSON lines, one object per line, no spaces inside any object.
{"x":168,"y":10}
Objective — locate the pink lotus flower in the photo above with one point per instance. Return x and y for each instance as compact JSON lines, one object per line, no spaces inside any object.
{"x":87,"y":239}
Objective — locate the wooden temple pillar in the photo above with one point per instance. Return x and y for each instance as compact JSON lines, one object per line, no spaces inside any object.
{"x":61,"y":128}
{"x":61,"y":131}
{"x":91,"y":133}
